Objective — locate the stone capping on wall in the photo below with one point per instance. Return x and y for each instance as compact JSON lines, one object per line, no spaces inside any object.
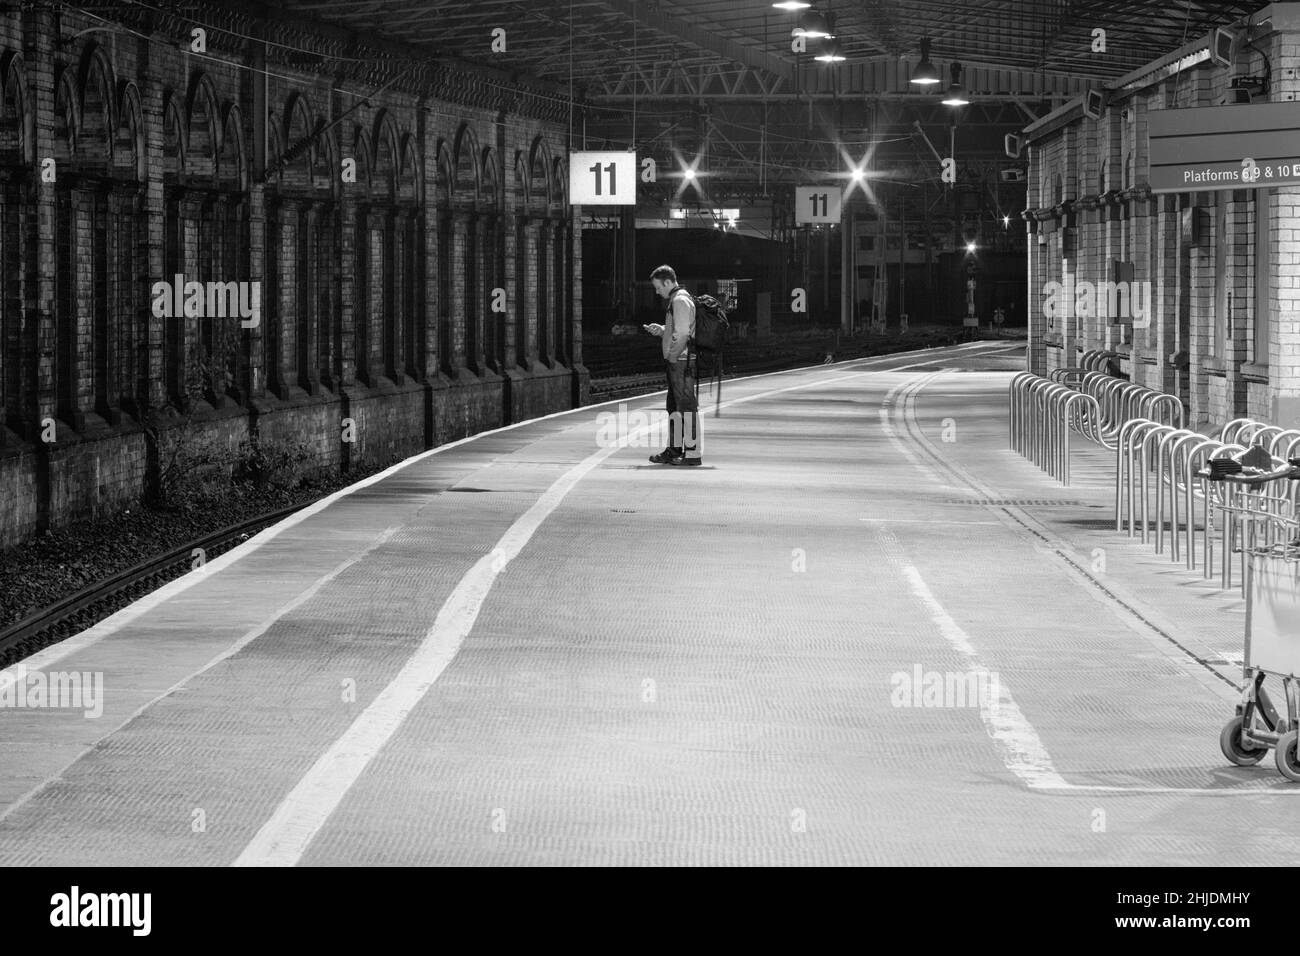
{"x":1252,"y":372}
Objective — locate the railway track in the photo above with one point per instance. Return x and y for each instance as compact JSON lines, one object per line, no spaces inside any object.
{"x":103,"y":598}
{"x":755,"y":359}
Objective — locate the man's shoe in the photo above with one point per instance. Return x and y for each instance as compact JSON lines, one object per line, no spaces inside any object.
{"x":668,"y":456}
{"x":686,"y":461}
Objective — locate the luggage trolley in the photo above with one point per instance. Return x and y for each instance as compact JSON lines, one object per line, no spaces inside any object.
{"x":1269,"y":542}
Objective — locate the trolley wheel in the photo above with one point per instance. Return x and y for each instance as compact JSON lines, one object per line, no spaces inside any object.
{"x":1237,"y":751}
{"x":1288,"y":762}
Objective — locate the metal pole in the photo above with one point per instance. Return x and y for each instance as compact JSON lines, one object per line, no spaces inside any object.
{"x":902,"y":258}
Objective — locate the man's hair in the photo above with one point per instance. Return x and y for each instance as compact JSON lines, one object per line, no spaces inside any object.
{"x":664,"y":272}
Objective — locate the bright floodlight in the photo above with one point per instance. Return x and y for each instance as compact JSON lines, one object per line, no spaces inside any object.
{"x":970,"y":247}
{"x":812,"y":25}
{"x":1006,"y":221}
{"x":689,"y":174}
{"x":831,"y":51}
{"x":858,"y":175}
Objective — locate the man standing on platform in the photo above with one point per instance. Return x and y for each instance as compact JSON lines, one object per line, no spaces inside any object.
{"x":675,"y":334}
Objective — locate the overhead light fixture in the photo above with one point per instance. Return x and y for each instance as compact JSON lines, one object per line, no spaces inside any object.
{"x":956,"y":95}
{"x":792,"y":5}
{"x":925,"y":74}
{"x":830,"y":51}
{"x":1006,"y":221}
{"x":970,"y":247}
{"x":813,"y":26}
{"x":689,"y":174}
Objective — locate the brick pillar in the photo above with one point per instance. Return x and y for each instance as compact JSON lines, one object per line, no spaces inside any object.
{"x":399,"y":220}
{"x":345,"y":303}
{"x":304,"y":355}
{"x":117,"y":302}
{"x":1165,"y":292}
{"x":560,"y":291}
{"x":575,"y":292}
{"x":325,"y":275}
{"x":1090,"y":249}
{"x":1035,"y":319}
{"x":1240,"y":296}
{"x":254,"y":370}
{"x":1144,"y":270}
{"x":38,"y":27}
{"x":1200,"y":292}
{"x":14,"y":372}
{"x":532,"y":242}
{"x":434,"y":305}
{"x":546,"y":317}
{"x":512,"y":274}
{"x":457,"y":288}
{"x":277,"y":303}
{"x":75,"y":311}
{"x":473,"y":296}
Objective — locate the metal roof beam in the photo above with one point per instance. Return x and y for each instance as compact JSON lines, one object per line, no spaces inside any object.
{"x":704,"y":39}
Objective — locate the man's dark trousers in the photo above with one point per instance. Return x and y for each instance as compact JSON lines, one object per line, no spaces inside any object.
{"x":683,"y":409}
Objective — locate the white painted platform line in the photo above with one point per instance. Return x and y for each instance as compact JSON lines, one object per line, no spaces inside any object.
{"x":284,"y":838}
{"x":1021,"y":749}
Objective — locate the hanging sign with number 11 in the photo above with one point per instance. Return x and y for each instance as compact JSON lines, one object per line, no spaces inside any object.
{"x":602,"y":178}
{"x":817,"y":203}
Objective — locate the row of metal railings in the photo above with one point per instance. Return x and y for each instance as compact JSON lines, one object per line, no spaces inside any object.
{"x":1237,"y":488}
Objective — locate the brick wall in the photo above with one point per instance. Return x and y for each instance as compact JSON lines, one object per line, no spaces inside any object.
{"x":1201,"y":341}
{"x":164,"y":166}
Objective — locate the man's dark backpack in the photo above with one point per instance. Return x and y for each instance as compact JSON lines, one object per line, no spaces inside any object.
{"x":710,"y":337}
{"x":710,"y":324}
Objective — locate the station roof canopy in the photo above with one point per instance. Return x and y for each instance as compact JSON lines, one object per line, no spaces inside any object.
{"x":599,"y":38}
{"x":722,"y":77}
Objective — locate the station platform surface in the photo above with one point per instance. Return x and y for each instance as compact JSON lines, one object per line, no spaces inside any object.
{"x":535,"y":647}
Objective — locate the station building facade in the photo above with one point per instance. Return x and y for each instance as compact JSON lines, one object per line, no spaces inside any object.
{"x":414,"y":260}
{"x":1221,"y":267}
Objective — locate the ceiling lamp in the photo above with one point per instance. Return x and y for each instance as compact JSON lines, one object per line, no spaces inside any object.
{"x":925,"y":74}
{"x":831,"y":51}
{"x":812,"y":25}
{"x":792,"y":5}
{"x":956,"y":95}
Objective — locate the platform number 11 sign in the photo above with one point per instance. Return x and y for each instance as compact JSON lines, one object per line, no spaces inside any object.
{"x":606,"y":178}
{"x":817,"y":203}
